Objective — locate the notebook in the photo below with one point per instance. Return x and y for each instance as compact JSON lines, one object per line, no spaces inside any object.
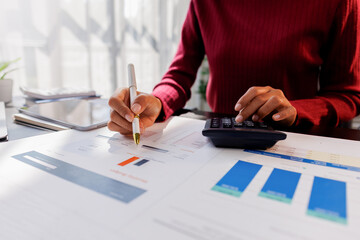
{"x":3,"y":129}
{"x":26,"y":120}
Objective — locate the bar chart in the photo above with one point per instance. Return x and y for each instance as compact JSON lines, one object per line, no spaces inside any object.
{"x":327,"y":198}
{"x":281,"y":185}
{"x":141,"y":162}
{"x":136,"y":161}
{"x":128,"y":161}
{"x":237,"y":179}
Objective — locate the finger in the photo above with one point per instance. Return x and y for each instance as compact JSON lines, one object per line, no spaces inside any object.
{"x":250,"y":94}
{"x":120,"y":121}
{"x":274,"y":102}
{"x":141,"y":102}
{"x":253,"y":106}
{"x":120,"y":102}
{"x":116,"y":128}
{"x":122,"y":94}
{"x":288,"y":112}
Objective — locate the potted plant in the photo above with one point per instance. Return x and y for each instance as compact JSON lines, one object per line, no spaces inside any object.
{"x":6,"y":84}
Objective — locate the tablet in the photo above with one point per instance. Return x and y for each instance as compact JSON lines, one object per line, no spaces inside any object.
{"x":76,"y":113}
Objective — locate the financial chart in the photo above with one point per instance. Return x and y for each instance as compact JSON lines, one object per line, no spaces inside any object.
{"x":176,"y":185}
{"x":327,"y":198}
{"x":288,"y":192}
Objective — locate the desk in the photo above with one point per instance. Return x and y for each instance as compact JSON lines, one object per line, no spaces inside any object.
{"x":175,"y":185}
{"x":17,"y":131}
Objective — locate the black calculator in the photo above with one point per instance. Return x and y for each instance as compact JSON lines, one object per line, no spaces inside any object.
{"x":226,"y":132}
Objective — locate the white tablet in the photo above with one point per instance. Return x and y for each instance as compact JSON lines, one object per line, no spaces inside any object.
{"x":76,"y":113}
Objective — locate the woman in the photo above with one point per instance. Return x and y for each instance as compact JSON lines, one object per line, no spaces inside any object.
{"x":295,"y":62}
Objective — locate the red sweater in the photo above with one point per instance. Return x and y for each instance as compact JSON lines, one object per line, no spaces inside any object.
{"x":310,"y":49}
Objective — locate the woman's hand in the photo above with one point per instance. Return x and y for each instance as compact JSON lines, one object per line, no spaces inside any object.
{"x":121,"y":116}
{"x":259,"y":102}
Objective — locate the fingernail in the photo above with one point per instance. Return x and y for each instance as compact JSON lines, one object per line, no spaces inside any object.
{"x":255,"y":118}
{"x":276,"y":116}
{"x":135,"y":108}
{"x":239,"y":118}
{"x":128,"y":117}
{"x":237,"y":107}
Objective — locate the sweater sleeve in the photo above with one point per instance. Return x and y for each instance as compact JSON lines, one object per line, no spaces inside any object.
{"x":339,"y":81}
{"x":175,"y":87}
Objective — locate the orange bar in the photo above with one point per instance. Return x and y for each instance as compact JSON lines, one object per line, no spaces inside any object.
{"x":130,"y":160}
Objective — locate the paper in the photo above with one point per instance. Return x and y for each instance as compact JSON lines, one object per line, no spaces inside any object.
{"x":91,"y":184}
{"x":242,"y":195}
{"x":176,"y":185}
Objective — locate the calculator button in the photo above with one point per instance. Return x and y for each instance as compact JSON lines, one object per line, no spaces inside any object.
{"x":263,"y":125}
{"x":238,"y":124}
{"x":215,"y":123}
{"x":226,"y":123}
{"x":249,"y":124}
{"x":226,"y":120}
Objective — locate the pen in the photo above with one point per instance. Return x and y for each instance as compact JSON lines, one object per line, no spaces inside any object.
{"x":132,"y":89}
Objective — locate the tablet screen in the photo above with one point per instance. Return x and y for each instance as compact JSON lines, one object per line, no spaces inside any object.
{"x":76,"y":113}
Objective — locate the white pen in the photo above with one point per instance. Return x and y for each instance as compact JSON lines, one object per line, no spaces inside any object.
{"x":132,"y":89}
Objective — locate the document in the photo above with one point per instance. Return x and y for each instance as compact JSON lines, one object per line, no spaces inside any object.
{"x":91,"y":184}
{"x":306,"y":187}
{"x":176,"y":185}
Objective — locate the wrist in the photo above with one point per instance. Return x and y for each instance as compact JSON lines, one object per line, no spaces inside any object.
{"x":161,"y":114}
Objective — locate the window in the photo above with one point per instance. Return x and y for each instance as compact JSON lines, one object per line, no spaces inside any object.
{"x":89,"y":43}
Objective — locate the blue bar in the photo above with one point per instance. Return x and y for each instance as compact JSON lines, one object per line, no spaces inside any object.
{"x":90,"y":180}
{"x":139,"y":163}
{"x":281,"y":185}
{"x":237,"y":178}
{"x":305,"y":160}
{"x":328,"y":200}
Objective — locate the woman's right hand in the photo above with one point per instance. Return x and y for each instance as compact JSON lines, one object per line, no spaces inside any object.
{"x":121,"y":116}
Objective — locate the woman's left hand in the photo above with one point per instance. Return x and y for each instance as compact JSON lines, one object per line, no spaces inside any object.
{"x":259,"y":102}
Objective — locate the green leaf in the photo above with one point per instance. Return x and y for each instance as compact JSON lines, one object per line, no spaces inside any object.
{"x":6,"y":64}
{"x":3,"y":76}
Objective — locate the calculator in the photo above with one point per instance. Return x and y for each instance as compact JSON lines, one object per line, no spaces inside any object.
{"x":226,"y":132}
